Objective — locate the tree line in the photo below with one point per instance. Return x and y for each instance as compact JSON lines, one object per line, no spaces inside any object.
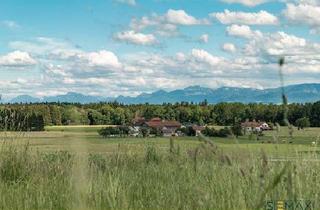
{"x":35,"y":116}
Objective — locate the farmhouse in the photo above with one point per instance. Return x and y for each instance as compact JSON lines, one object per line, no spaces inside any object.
{"x":251,"y":126}
{"x":168,"y":127}
{"x":198,"y":129}
{"x":138,"y":121}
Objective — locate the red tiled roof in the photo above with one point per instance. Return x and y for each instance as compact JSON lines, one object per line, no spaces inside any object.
{"x":155,"y":119}
{"x":198,"y":128}
{"x":158,"y":123}
{"x":138,"y":120}
{"x":252,"y":124}
{"x":171,"y":123}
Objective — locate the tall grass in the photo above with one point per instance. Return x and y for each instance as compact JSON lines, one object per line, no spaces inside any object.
{"x":204,"y":178}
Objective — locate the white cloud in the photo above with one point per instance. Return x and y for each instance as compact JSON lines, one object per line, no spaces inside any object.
{"x":204,"y":38}
{"x":102,"y":58}
{"x":302,"y":56}
{"x":229,"y":47}
{"x":243,"y":31}
{"x":309,"y":2}
{"x":180,"y":17}
{"x":140,"y":24}
{"x":259,"y":18}
{"x":250,"y":3}
{"x":69,"y":81}
{"x":304,"y":14}
{"x":281,"y":44}
{"x":44,"y":46}
{"x":104,"y":73}
{"x":136,"y":38}
{"x":10,"y":24}
{"x":17,"y":59}
{"x":166,"y":24}
{"x":55,"y":70}
{"x":203,"y":56}
{"x":129,"y":2}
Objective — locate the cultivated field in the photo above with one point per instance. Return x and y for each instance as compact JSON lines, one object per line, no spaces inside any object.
{"x":74,"y":168}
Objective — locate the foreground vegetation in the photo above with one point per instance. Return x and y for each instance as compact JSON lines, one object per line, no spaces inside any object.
{"x":202,"y":178}
{"x":74,"y":169}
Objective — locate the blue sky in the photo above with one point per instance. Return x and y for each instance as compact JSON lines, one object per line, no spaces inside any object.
{"x":126,"y":47}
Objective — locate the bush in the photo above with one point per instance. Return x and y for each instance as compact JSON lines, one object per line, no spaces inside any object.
{"x":211,"y":132}
{"x":145,"y":132}
{"x":155,"y":131}
{"x":224,"y":132}
{"x":236,"y":128}
{"x":120,"y":131}
{"x":302,"y":123}
{"x":188,"y":131}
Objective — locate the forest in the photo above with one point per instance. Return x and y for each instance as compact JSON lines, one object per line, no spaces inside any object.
{"x":30,"y":117}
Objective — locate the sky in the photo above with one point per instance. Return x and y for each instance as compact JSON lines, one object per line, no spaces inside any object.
{"x":128,"y":47}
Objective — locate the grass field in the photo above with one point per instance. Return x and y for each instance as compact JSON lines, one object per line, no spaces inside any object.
{"x":57,"y":138}
{"x":71,"y":167}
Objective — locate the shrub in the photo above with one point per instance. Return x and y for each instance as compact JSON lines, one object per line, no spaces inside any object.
{"x":145,"y":132}
{"x":236,"y":128}
{"x":155,"y":131}
{"x":211,"y":132}
{"x":188,"y":131}
{"x":224,"y":132}
{"x":302,"y":123}
{"x":120,"y":131}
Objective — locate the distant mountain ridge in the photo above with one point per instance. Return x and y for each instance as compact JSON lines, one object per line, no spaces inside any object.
{"x":300,"y":93}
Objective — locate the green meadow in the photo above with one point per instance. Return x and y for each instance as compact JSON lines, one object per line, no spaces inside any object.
{"x":72,"y":167}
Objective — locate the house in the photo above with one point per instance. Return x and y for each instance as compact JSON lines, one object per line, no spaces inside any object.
{"x":254,"y":126}
{"x":265,"y":126}
{"x":167,"y":127}
{"x":138,"y":121}
{"x":134,"y":131}
{"x":198,"y":129}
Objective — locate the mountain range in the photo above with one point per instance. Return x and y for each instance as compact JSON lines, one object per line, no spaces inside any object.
{"x":300,"y":93}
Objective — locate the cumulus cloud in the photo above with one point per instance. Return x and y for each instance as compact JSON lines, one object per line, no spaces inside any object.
{"x":306,"y":12}
{"x":180,"y":17}
{"x":102,"y":59}
{"x":229,"y":47}
{"x":136,"y":38}
{"x":55,"y":70}
{"x":129,"y":2}
{"x":69,"y":81}
{"x":281,"y":44}
{"x":104,"y":73}
{"x":243,"y":31}
{"x":204,"y":38}
{"x":203,"y":56}
{"x":166,"y":24}
{"x":250,"y":3}
{"x":144,"y":72}
{"x":259,"y":18}
{"x":44,"y":46}
{"x":17,"y":59}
